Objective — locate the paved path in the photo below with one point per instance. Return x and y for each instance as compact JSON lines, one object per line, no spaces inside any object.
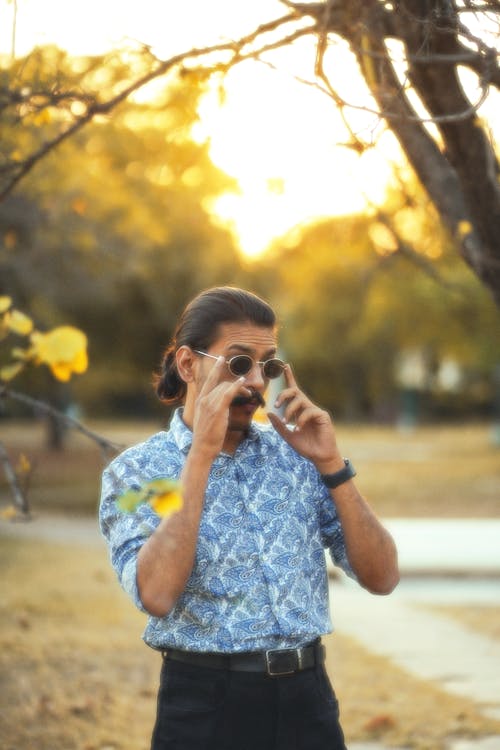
{"x":443,"y":561}
{"x":468,"y":546}
{"x":430,"y":646}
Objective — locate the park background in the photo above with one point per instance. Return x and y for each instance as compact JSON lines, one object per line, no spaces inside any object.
{"x":190,"y":186}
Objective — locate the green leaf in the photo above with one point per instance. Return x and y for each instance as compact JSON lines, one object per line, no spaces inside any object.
{"x":129,"y":501}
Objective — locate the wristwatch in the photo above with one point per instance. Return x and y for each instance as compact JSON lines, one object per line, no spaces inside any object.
{"x":339,"y":477}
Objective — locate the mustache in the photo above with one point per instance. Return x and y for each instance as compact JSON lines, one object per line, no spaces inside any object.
{"x":254,"y":398}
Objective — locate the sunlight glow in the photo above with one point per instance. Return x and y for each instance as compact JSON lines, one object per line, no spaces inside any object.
{"x":288,"y":164}
{"x":276,"y":136}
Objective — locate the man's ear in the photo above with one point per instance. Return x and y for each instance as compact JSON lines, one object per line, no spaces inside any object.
{"x":185,"y":361}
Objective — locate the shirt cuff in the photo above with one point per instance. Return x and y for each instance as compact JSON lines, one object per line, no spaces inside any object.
{"x":129,"y":583}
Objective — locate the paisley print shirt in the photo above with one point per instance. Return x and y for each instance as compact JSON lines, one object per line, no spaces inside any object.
{"x":259,"y":580}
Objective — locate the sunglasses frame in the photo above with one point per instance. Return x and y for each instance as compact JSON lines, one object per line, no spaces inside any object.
{"x":252,"y":360}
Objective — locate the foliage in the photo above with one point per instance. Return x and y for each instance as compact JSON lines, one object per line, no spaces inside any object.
{"x":164,"y":496}
{"x":425,"y":69}
{"x":125,"y":227}
{"x":112,"y":233}
{"x":374,"y":299}
{"x":63,"y":349}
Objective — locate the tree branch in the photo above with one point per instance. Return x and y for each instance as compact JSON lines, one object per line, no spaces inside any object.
{"x":23,"y":167}
{"x":19,"y":497}
{"x":107,"y":446}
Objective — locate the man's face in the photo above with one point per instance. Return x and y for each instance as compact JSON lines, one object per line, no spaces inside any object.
{"x":242,"y":338}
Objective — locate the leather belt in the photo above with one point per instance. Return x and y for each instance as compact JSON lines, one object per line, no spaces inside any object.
{"x":274,"y":662}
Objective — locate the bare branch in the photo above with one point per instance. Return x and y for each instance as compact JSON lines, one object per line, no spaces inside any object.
{"x":19,"y":497}
{"x":94,"y":108}
{"x":36,"y":405}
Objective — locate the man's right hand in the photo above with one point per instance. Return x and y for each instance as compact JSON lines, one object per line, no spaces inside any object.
{"x":211,"y":413}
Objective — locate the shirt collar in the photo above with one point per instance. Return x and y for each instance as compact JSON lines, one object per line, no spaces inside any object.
{"x":183,"y":436}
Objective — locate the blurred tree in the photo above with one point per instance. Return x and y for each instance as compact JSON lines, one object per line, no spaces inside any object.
{"x":353,"y":296}
{"x":426,"y":67}
{"x":111,"y":234}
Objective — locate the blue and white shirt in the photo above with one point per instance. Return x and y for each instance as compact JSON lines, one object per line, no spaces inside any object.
{"x":259,"y":580}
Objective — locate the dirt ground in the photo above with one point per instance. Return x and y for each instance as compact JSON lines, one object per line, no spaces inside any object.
{"x":75,"y":675}
{"x":479,"y":619}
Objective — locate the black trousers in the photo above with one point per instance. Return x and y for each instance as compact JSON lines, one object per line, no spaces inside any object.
{"x":200,"y":708}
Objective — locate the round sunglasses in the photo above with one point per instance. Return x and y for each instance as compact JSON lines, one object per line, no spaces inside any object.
{"x":241,"y":364}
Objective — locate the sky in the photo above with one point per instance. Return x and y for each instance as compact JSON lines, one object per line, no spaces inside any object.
{"x":275,"y":135}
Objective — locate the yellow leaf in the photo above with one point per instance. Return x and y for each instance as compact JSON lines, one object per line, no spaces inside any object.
{"x":9,"y":372}
{"x":166,"y":503}
{"x":162,"y":485}
{"x":464,"y":228}
{"x":63,"y":349}
{"x":42,"y":117}
{"x":164,"y":496}
{"x":19,"y":353}
{"x":80,"y":362}
{"x":61,"y":371}
{"x":5,"y":304}
{"x":19,"y":323}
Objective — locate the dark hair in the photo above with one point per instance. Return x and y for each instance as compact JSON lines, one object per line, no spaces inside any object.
{"x":198,"y":328}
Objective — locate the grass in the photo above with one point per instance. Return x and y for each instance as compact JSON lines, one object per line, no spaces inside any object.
{"x":443,"y":471}
{"x":73,"y":669}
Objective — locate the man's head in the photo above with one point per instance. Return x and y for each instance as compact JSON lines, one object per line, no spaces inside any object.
{"x":221,"y":319}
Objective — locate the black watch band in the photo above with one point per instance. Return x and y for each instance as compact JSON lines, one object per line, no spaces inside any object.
{"x":339,"y":477}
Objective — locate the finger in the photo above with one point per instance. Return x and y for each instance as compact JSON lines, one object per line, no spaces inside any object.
{"x":289,"y":377}
{"x":308,"y":414}
{"x":286,"y":395}
{"x":214,"y":375}
{"x":296,"y":407}
{"x":235,"y":388}
{"x":222,"y":395}
{"x":278,"y":425}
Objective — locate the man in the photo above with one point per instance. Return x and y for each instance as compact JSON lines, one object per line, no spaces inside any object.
{"x":235,"y":583}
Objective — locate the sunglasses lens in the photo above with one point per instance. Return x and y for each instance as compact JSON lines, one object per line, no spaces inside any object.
{"x":240,"y":365}
{"x":273,"y":368}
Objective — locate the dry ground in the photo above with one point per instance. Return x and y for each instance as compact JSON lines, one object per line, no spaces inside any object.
{"x":74,"y":674}
{"x":479,"y":619}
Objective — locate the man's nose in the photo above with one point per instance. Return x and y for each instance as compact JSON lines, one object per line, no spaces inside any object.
{"x":255,"y":378}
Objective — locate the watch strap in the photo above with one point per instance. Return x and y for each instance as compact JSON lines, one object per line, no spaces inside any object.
{"x":339,"y":477}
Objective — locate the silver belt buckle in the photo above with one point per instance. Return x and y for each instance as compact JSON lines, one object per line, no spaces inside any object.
{"x":284,"y":661}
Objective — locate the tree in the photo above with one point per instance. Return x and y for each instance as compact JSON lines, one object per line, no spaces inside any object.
{"x":427,"y":66}
{"x":350,"y":314}
{"x":116,"y":215}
